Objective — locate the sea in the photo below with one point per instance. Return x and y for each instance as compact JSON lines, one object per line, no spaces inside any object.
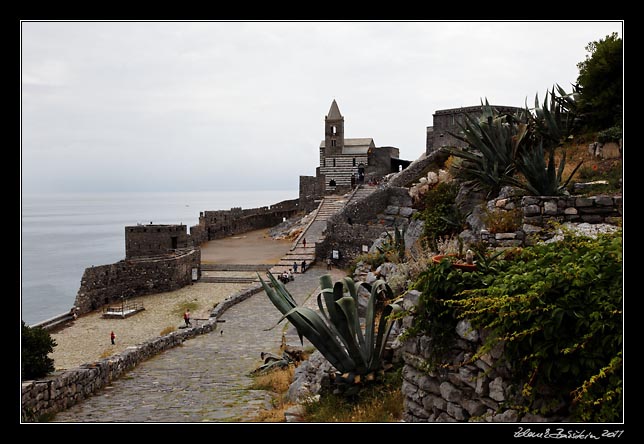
{"x":64,"y":233}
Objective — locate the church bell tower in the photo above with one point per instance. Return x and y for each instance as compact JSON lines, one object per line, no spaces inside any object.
{"x":333,"y":131}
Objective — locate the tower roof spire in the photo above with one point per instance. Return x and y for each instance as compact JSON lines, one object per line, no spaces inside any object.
{"x":334,"y":112}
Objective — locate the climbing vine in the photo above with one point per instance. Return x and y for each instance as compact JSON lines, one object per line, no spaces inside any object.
{"x":557,"y":308}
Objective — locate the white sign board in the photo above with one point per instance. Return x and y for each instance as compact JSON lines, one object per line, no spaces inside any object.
{"x":336,"y":254}
{"x":195,"y":274}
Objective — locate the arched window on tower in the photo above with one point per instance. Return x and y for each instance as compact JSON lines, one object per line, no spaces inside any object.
{"x":333,"y":142}
{"x":334,"y":130}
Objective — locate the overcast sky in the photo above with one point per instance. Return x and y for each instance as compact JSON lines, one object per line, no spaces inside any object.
{"x":200,"y":106}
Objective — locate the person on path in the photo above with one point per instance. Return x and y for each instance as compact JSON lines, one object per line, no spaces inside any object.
{"x":112,"y":337}
{"x":186,"y":318}
{"x":328,"y":263}
{"x":304,"y":242}
{"x":303,"y":266}
{"x":294,"y":267}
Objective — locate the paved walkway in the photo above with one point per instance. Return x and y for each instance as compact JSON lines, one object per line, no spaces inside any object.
{"x":205,"y":379}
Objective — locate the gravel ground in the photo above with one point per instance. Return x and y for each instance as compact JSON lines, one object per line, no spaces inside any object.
{"x":88,"y":338}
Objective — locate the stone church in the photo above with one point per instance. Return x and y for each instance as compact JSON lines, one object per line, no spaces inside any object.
{"x":347,"y":162}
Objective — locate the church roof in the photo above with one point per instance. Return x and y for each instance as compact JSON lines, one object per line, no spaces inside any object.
{"x":355,"y":146}
{"x":334,"y":112}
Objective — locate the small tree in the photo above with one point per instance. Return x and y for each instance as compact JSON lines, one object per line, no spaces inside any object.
{"x":36,"y":346}
{"x":601,"y":84}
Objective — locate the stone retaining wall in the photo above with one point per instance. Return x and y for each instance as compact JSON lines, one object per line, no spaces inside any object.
{"x":538,"y":211}
{"x":465,"y":390}
{"x":62,"y":389}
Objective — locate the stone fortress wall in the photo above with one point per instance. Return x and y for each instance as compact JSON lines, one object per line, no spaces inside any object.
{"x":223,"y":223}
{"x":109,"y":284}
{"x":162,"y":258}
{"x":446,"y":121}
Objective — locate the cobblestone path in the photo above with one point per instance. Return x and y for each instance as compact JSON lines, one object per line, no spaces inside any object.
{"x":206,"y":378}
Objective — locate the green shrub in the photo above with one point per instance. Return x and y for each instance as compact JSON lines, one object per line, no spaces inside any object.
{"x":36,"y":346}
{"x":612,"y":134}
{"x":558,"y":309}
{"x":503,"y":221}
{"x":441,"y":215}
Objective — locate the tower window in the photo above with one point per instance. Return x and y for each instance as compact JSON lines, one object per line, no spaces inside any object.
{"x":354,"y":161}
{"x":333,"y":142}
{"x":334,"y":130}
{"x":334,"y":161}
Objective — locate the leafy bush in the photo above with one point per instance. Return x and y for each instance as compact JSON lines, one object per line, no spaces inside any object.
{"x":612,"y":134}
{"x":433,"y":317}
{"x":441,"y":214}
{"x":558,"y":309}
{"x":36,"y":346}
{"x":502,"y":221}
{"x":601,"y":83}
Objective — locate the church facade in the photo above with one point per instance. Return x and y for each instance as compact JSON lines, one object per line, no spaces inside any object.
{"x":347,"y":162}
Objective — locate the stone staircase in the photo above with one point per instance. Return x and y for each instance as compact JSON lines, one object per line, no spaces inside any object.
{"x":314,"y":232}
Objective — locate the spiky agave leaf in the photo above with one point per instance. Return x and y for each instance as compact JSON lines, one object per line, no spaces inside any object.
{"x":309,"y":324}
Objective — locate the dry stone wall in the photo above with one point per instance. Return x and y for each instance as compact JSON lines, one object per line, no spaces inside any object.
{"x":538,"y":211}
{"x":464,"y":390}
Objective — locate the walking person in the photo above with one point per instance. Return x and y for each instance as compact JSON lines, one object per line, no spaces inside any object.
{"x":186,"y":318}
{"x":328,"y":263}
{"x":303,"y":266}
{"x":112,"y":337}
{"x":304,"y":242}
{"x":294,"y":267}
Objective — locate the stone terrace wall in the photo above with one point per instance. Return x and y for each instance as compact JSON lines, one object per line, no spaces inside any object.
{"x":538,"y":211}
{"x":465,"y":391}
{"x":63,"y":389}
{"x":106,"y":284}
{"x":223,"y":223}
{"x":384,"y":208}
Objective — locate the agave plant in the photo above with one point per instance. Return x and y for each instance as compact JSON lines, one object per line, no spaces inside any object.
{"x":542,"y":180}
{"x":335,"y":330}
{"x":550,"y":125}
{"x":395,"y":243}
{"x":493,"y":143}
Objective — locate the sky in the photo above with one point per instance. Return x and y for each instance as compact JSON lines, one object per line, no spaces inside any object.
{"x":216,"y":106}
